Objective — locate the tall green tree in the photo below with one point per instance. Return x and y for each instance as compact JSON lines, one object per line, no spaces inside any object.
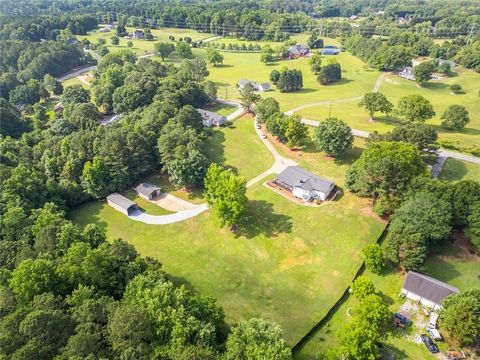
{"x":295,"y":131}
{"x":226,"y":194}
{"x":334,"y":137}
{"x":214,"y":57}
{"x":415,"y":108}
{"x":375,"y":101}
{"x":164,"y":49}
{"x":248,"y":97}
{"x":455,"y":117}
{"x":257,"y":339}
{"x":265,"y":108}
{"x":95,"y":178}
{"x":423,"y":72}
{"x":461,"y":316}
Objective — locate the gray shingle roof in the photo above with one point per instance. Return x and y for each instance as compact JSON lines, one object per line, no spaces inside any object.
{"x":210,"y":115}
{"x":298,"y":177}
{"x":428,"y":287}
{"x":121,"y":200}
{"x":146,"y":188}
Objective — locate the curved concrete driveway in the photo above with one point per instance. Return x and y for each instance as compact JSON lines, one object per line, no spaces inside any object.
{"x":167,"y":219}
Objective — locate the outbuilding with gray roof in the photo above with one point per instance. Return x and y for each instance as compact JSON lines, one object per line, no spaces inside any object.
{"x":122,"y":204}
{"x":426,"y":290}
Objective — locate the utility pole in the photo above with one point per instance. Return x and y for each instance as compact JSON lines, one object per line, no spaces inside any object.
{"x":321,"y":28}
{"x":470,"y":34}
{"x":330,"y":110}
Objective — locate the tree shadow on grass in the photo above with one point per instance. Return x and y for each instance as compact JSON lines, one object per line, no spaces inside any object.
{"x":215,"y":148}
{"x":88,"y":213}
{"x":263,"y":220}
{"x":454,"y":170}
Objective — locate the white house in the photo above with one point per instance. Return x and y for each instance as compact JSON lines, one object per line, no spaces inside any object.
{"x":257,"y":87}
{"x":210,"y":118}
{"x":407,"y":73}
{"x":426,"y":290}
{"x":304,"y":185}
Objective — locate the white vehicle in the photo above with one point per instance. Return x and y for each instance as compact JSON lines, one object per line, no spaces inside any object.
{"x":435,"y":334}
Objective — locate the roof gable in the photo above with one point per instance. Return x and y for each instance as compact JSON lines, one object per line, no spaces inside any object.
{"x":146,"y":188}
{"x":428,"y":287}
{"x":297,"y":177}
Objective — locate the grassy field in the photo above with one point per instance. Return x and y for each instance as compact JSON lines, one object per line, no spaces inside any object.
{"x":286,"y":264}
{"x":239,"y":148}
{"x":220,"y":108}
{"x":357,"y":78}
{"x":141,"y":47}
{"x":456,"y":170}
{"x":455,"y":265}
{"x":437,"y":92}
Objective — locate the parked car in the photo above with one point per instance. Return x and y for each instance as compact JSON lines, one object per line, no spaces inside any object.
{"x":264,"y":136}
{"x":258,"y":126}
{"x":403,"y":318}
{"x":429,"y":344}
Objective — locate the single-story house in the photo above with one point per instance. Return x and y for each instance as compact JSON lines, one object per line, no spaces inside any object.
{"x":353,"y":17}
{"x":263,"y":87}
{"x":73,"y":41}
{"x":121,"y":203}
{"x":449,"y":62}
{"x":108,"y":119}
{"x":210,"y":118}
{"x":138,"y":34}
{"x":407,"y":73}
{"x":104,"y":30}
{"x":426,"y":290}
{"x":296,"y":51}
{"x":59,"y":107}
{"x":256,"y":86}
{"x":244,"y":82}
{"x":303,"y":184}
{"x":147,"y":191}
{"x":330,"y":51}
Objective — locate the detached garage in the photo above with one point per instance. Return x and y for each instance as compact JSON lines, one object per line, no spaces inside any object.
{"x":121,"y":203}
{"x":426,"y":290}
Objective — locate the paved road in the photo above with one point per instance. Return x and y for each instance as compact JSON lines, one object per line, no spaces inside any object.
{"x":279,"y":163}
{"x":76,"y":73}
{"x":167,"y":219}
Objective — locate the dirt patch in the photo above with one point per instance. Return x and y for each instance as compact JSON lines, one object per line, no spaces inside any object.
{"x":462,"y":242}
{"x":86,"y":78}
{"x":301,"y":260}
{"x":368,"y":211}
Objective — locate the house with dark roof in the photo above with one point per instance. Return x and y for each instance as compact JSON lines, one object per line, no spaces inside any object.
{"x":426,"y":290}
{"x":296,"y":51}
{"x":407,"y":73}
{"x":210,"y":118}
{"x":138,"y":34}
{"x":147,"y":191}
{"x":58,"y":108}
{"x":304,"y":185}
{"x":122,"y":204}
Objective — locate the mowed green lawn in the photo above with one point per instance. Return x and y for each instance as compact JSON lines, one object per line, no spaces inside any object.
{"x":456,"y":170}
{"x":357,"y":78}
{"x":141,"y":47}
{"x":239,"y":148}
{"x":289,"y":264}
{"x":437,"y":92}
{"x":454,"y":265}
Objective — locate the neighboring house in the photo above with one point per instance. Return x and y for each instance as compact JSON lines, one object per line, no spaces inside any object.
{"x":210,"y":118}
{"x":407,"y":73}
{"x":416,"y":62}
{"x":330,"y":51}
{"x":138,"y":34}
{"x":73,"y":41}
{"x":263,"y":87}
{"x":296,"y":51}
{"x":449,"y":62}
{"x":303,"y":184}
{"x":58,"y":108}
{"x":244,"y":82}
{"x":426,"y":290}
{"x":353,"y":17}
{"x":147,"y":191}
{"x":122,"y":204}
{"x":104,"y":30}
{"x":257,"y":87}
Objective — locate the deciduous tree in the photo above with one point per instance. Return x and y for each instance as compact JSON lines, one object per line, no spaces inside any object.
{"x":455,"y":117}
{"x":415,"y":108}
{"x":334,"y":137}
